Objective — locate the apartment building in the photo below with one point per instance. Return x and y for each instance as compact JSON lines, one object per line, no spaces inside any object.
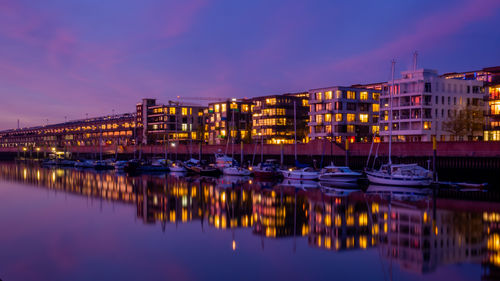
{"x":343,"y":113}
{"x":273,"y":118}
{"x":492,"y":126}
{"x":422,"y":104}
{"x":172,"y":122}
{"x":105,"y":130}
{"x":220,"y":126}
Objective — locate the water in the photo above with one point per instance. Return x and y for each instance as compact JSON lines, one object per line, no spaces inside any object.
{"x":68,"y":224}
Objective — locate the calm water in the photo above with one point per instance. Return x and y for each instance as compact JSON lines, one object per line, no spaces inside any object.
{"x":68,"y":224}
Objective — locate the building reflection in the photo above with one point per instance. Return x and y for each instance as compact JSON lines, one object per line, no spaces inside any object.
{"x":413,"y":235}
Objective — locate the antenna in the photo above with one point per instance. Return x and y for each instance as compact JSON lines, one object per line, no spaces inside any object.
{"x":18,"y":124}
{"x":415,"y":57}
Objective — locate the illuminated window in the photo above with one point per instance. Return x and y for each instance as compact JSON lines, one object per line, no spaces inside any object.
{"x":217,"y":107}
{"x":375,"y":130}
{"x":375,"y":107}
{"x":350,"y":128}
{"x":363,"y":118}
{"x":319,"y":118}
{"x":244,"y":107}
{"x":351,"y":117}
{"x":328,"y":95}
{"x":338,"y":117}
{"x":233,"y":105}
{"x":328,"y":117}
{"x":351,"y":95}
{"x":305,"y":102}
{"x":184,"y":127}
{"x":495,"y":107}
{"x":319,"y":96}
{"x":338,"y":94}
{"x":171,"y":110}
{"x":223,"y":107}
{"x":427,"y":125}
{"x":184,"y":111}
{"x":271,"y":101}
{"x":376,"y":96}
{"x":363,"y":95}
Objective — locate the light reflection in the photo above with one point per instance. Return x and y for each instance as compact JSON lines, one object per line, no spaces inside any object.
{"x":415,"y":236}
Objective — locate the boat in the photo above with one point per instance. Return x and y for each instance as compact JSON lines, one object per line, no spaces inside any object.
{"x":267,"y":170}
{"x":84,"y":164}
{"x":223,"y":161}
{"x":66,"y":163}
{"x":120,"y":165}
{"x":154,"y":166}
{"x":177,"y":167}
{"x":339,"y":174}
{"x":236,"y":171}
{"x":204,"y":170}
{"x":300,"y":174}
{"x":102,"y":165}
{"x":398,"y":174}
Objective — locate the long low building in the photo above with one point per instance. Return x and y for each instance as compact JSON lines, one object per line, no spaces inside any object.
{"x":116,"y":129}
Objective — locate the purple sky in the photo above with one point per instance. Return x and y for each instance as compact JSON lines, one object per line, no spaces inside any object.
{"x":66,"y":58}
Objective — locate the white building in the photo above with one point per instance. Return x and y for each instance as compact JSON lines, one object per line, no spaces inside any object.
{"x":422,"y":101}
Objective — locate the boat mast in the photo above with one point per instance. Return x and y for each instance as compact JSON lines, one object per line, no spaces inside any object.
{"x":391,"y":91}
{"x":165,"y":146}
{"x":295,"y":128}
{"x":231,"y":132}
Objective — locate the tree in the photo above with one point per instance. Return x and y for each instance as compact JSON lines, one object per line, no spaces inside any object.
{"x":469,"y":120}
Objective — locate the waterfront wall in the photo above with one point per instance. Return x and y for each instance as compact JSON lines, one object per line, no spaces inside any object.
{"x":315,"y":148}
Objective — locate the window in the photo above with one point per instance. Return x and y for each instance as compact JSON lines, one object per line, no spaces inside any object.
{"x":244,"y":107}
{"x":363,"y":95}
{"x":184,"y":111}
{"x":223,"y":107}
{"x":375,"y":130}
{"x":338,"y":94}
{"x":427,"y":125}
{"x":350,"y":128}
{"x":217,"y":107}
{"x":351,"y":95}
{"x":328,"y":117}
{"x":427,"y":88}
{"x":351,"y":106}
{"x":271,"y":101}
{"x":338,"y":117}
{"x":338,"y":105}
{"x":319,"y":118}
{"x":328,"y":95}
{"x":171,"y":111}
{"x":319,"y":107}
{"x":319,"y":96}
{"x":363,"y":118}
{"x":376,"y":96}
{"x":351,"y":117}
{"x":184,"y":127}
{"x":375,"y":107}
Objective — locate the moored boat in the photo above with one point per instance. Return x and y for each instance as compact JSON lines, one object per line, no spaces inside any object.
{"x":300,"y":174}
{"x":338,"y":174}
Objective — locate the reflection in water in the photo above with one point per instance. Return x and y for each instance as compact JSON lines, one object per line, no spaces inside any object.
{"x":413,"y":235}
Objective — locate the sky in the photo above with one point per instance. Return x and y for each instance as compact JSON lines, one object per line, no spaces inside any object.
{"x":64,"y":59}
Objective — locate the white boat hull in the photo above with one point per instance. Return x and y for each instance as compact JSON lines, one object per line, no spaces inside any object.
{"x":352,"y":178}
{"x":378,"y":178}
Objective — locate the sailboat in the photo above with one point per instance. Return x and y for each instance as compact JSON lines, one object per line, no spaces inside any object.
{"x":227,"y":164}
{"x":398,"y":174}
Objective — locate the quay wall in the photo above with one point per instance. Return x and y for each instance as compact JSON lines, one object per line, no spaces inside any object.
{"x":454,"y":155}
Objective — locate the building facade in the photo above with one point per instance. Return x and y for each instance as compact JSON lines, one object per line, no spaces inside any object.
{"x":492,"y":126}
{"x":105,"y":130}
{"x":424,"y":104}
{"x":273,"y":118}
{"x":172,"y":122}
{"x":220,"y":126}
{"x":343,"y":113}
